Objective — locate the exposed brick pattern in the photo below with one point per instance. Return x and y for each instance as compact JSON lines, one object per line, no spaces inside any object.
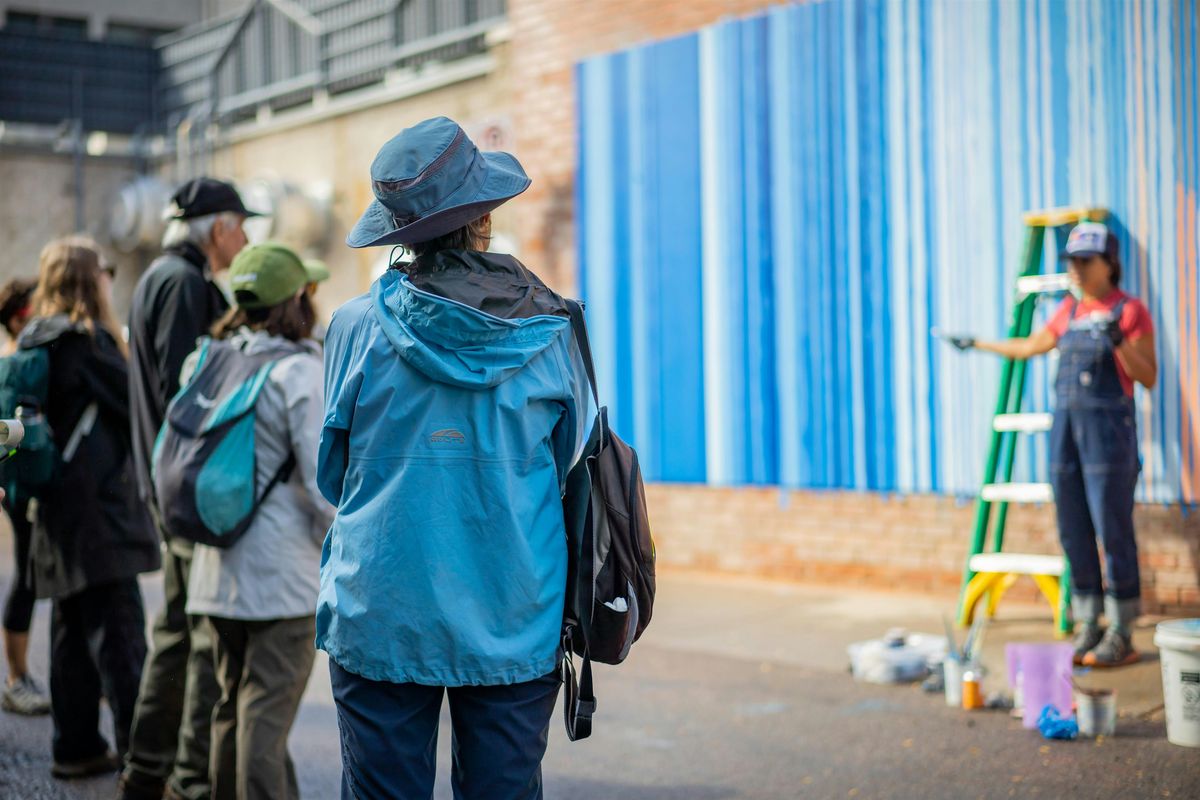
{"x":902,"y":542}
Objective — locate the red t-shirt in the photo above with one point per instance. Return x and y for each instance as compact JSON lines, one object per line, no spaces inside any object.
{"x":1135,"y":321}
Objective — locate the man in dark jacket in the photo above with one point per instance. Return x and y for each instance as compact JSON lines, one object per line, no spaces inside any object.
{"x":175,"y":303}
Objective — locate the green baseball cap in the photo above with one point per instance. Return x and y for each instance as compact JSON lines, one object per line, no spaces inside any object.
{"x":265,"y":275}
{"x":317,"y":271}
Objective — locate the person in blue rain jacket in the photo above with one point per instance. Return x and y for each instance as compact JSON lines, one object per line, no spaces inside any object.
{"x":456,"y":401}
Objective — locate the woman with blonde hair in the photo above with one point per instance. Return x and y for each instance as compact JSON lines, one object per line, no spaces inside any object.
{"x":92,"y":537}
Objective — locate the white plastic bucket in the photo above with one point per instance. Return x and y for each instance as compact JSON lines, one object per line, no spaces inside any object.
{"x":1178,"y":642}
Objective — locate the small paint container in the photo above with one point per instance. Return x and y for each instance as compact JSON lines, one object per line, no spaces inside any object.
{"x":972,"y":691}
{"x":1096,"y":711}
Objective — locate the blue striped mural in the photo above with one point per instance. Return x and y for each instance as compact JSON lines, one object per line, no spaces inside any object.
{"x":775,"y":211}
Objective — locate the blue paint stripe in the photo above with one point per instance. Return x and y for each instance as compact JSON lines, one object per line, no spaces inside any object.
{"x":815,"y":152}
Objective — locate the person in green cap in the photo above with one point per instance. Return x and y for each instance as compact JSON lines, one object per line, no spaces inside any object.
{"x":259,"y":595}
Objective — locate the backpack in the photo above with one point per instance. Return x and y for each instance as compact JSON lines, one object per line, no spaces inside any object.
{"x":610,"y":555}
{"x":28,"y":469}
{"x":204,"y":465}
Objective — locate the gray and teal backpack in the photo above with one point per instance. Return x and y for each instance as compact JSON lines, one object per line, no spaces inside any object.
{"x":205,"y":459}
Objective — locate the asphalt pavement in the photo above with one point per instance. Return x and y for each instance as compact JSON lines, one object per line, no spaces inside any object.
{"x":739,"y":690}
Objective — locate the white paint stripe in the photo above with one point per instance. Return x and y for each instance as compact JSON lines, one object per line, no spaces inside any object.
{"x":716,"y":341}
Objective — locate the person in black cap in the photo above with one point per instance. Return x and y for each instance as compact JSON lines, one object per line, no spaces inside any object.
{"x":175,"y":303}
{"x":1105,"y":342}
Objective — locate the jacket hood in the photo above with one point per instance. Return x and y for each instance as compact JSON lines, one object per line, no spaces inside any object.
{"x":254,"y":342}
{"x":42,"y":331}
{"x":454,"y":343}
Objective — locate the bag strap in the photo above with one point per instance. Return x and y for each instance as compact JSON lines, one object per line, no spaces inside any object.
{"x":87,"y":420}
{"x":282,"y":475}
{"x":579,"y":326}
{"x":580,"y":702}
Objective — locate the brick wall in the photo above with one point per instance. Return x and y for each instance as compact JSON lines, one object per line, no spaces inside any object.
{"x":901,"y":542}
{"x":549,"y":37}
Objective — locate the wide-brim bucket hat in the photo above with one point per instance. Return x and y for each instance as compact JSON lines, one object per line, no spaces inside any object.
{"x":431,"y":179}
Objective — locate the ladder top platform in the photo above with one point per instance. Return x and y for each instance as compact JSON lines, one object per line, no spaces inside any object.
{"x":1065,"y":215}
{"x":1016,"y":564}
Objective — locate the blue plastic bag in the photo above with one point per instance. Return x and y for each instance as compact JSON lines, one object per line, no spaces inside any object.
{"x":1054,"y":725}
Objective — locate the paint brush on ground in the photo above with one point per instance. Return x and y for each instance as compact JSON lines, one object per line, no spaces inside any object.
{"x":951,"y":642}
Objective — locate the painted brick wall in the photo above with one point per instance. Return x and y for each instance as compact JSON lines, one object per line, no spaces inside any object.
{"x":913,"y":542}
{"x":910,"y":542}
{"x":549,"y":37}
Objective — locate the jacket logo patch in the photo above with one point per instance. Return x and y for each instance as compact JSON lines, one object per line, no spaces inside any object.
{"x":447,"y":436}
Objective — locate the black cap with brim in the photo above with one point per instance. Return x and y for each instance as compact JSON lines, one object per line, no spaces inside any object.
{"x":201,"y":197}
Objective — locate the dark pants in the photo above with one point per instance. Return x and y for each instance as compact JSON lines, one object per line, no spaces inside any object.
{"x":389,"y":737}
{"x":98,"y":646}
{"x":18,"y":608}
{"x":262,"y":668}
{"x":1094,"y":469}
{"x":169,"y":741}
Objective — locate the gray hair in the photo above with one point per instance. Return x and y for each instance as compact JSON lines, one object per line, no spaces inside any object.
{"x":197,"y":230}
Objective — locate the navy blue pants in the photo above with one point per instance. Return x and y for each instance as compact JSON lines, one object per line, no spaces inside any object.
{"x":1094,"y":469}
{"x":389,"y":737}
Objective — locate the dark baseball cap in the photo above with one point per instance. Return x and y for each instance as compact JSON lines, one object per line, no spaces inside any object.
{"x":1089,"y":239}
{"x":200,"y":197}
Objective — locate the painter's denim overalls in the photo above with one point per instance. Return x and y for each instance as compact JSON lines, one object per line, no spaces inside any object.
{"x":1094,"y":462}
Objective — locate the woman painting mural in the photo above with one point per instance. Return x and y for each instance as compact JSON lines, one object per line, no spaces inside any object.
{"x":1105,"y":341}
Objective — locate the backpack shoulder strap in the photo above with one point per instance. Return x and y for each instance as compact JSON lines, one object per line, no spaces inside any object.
{"x":579,"y":326}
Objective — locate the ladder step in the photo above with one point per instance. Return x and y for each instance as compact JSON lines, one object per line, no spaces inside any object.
{"x":1043,"y":284}
{"x":1030,"y":422}
{"x":1018,"y":493}
{"x":1063,"y":215}
{"x":1016,"y":563}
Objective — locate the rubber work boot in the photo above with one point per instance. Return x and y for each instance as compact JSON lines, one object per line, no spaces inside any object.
{"x":1114,"y":650}
{"x":1086,"y":610}
{"x":1086,"y":639}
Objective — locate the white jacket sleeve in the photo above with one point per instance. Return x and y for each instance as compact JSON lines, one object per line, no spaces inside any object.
{"x":301,"y":379}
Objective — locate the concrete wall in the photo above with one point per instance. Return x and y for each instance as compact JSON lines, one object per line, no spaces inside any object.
{"x":37,"y":204}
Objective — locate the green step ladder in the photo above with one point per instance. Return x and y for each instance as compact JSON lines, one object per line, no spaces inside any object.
{"x":990,"y":571}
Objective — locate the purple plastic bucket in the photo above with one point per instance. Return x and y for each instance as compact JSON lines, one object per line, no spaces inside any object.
{"x":1045,"y":677}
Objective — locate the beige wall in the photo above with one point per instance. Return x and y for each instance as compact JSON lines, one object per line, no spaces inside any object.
{"x":340,"y":149}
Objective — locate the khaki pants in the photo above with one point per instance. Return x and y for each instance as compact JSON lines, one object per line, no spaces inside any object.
{"x":262,"y":668}
{"x":169,"y":738}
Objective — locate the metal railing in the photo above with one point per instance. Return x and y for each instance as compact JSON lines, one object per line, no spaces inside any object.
{"x":102,"y":86}
{"x":282,"y":53}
